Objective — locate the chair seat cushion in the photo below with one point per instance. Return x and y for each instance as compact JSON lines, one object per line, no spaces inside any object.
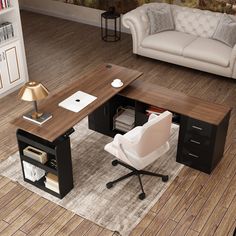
{"x":137,"y":162}
{"x":209,"y":50}
{"x":169,"y":41}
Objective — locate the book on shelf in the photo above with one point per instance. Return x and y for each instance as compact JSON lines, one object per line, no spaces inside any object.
{"x":51,"y":182}
{"x":52,"y":187}
{"x":124,"y":120}
{"x":4,"y":4}
{"x":6,"y":31}
{"x":154,"y":110}
{"x":51,"y":178}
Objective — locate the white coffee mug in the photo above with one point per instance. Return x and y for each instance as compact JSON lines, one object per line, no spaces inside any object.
{"x":117,"y":82}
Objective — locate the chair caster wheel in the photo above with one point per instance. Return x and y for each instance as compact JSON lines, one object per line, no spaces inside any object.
{"x":114,"y":163}
{"x":165,"y":178}
{"x":142,"y":196}
{"x":109,"y":185}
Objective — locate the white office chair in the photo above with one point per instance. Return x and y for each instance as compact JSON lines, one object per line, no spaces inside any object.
{"x":141,"y":146}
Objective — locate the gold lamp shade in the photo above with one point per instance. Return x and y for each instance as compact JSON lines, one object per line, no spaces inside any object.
{"x":33,"y":91}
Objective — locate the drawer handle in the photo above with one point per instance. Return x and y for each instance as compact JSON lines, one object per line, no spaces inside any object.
{"x":193,"y":141}
{"x":193,"y":155}
{"x":196,"y":127}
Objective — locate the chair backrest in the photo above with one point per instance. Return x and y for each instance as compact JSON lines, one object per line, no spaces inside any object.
{"x":155,"y":133}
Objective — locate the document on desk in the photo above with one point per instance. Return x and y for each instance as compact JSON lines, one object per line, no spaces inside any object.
{"x":77,"y":101}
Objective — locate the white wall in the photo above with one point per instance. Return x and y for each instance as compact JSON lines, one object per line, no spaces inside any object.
{"x":66,"y":11}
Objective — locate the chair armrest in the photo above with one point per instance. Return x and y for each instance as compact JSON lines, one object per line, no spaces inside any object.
{"x":138,"y":23}
{"x":233,"y":62}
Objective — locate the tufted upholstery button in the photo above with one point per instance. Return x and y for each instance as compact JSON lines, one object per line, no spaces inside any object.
{"x":195,"y":21}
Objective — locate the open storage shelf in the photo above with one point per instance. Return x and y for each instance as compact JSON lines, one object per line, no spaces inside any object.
{"x":59,"y":150}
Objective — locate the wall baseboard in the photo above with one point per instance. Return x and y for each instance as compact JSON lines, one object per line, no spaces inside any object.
{"x":70,"y":12}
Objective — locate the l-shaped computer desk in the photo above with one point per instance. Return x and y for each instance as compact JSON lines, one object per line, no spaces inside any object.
{"x":203,"y":125}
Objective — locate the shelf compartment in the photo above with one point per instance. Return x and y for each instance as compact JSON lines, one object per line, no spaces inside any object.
{"x":40,"y":184}
{"x":36,"y":143}
{"x":40,"y":165}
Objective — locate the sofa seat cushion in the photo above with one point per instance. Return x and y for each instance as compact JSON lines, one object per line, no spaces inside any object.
{"x":210,"y":51}
{"x":169,"y":41}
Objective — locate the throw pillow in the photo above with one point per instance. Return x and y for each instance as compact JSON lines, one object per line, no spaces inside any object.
{"x":226,"y":31}
{"x":160,"y":18}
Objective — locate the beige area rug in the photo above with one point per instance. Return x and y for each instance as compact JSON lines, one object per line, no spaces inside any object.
{"x":118,"y":208}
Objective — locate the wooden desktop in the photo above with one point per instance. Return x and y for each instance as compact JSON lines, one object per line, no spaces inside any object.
{"x":203,"y":125}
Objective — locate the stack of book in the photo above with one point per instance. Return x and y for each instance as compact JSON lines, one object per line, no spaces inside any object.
{"x":52,"y":182}
{"x":154,"y":110}
{"x":4,"y":4}
{"x":6,"y":31}
{"x":124,"y":120}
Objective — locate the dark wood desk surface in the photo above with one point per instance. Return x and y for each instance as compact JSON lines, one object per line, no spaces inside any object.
{"x":176,"y":102}
{"x":96,"y":82}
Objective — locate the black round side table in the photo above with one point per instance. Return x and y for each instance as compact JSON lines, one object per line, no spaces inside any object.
{"x":109,"y":19}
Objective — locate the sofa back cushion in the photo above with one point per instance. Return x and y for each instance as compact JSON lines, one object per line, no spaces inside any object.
{"x":226,"y":31}
{"x":195,"y":21}
{"x":160,"y":18}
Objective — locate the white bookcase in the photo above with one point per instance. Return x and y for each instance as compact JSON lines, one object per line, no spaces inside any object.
{"x":13,"y":68}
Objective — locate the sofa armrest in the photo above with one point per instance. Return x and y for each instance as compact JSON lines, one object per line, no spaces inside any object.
{"x":233,"y":62}
{"x":138,"y":23}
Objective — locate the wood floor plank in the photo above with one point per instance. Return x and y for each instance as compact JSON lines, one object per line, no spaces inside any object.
{"x":42,"y":225}
{"x":216,"y":175}
{"x":82,"y":229}
{"x":167,"y":228}
{"x":232,"y":231}
{"x":38,"y":219}
{"x":3,"y":225}
{"x":229,"y":194}
{"x":24,"y":217}
{"x":5,"y":190}
{"x":8,"y":208}
{"x":214,"y":220}
{"x":139,"y":229}
{"x":27,"y":204}
{"x":183,"y":176}
{"x":189,"y":197}
{"x":19,"y":233}
{"x":228,"y":220}
{"x":191,"y":232}
{"x":106,"y":232}
{"x":8,"y":197}
{"x":70,"y":226}
{"x":210,"y":204}
{"x":231,"y":170}
{"x":4,"y":181}
{"x":57,"y":225}
{"x":189,"y":216}
{"x":95,"y":230}
{"x":156,"y":224}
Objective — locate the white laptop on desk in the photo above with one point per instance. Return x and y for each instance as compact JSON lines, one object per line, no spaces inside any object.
{"x":77,"y":101}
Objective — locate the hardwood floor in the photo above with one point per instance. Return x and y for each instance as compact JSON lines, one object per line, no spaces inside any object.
{"x":58,"y":52}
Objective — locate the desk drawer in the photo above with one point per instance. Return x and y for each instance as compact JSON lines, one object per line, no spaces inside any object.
{"x":198,"y":127}
{"x":195,"y":141}
{"x":197,"y":159}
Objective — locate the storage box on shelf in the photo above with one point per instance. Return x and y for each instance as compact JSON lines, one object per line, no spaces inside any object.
{"x":13,"y":68}
{"x":57,"y":179}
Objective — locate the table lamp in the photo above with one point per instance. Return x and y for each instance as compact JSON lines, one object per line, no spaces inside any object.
{"x":33,"y":92}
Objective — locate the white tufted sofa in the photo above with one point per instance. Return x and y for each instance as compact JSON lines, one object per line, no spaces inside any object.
{"x":189,"y":45}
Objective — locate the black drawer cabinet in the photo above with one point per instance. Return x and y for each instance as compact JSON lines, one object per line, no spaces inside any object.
{"x":201,"y":144}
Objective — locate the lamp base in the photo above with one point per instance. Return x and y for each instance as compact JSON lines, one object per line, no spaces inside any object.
{"x":38,"y":120}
